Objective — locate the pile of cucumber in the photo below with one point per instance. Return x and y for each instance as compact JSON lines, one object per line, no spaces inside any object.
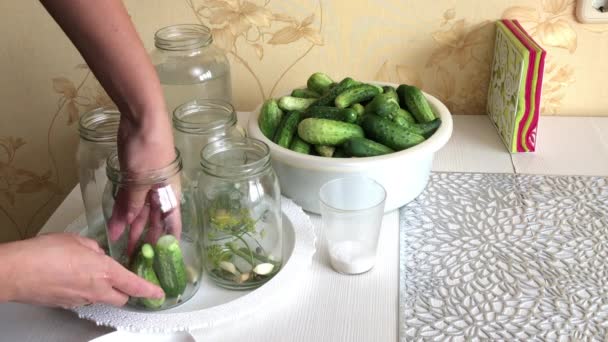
{"x":348,"y":118}
{"x":162,"y":265}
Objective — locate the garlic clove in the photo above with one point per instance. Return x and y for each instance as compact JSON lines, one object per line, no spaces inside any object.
{"x":228,"y":267}
{"x":242,"y":278}
{"x":263,"y":269}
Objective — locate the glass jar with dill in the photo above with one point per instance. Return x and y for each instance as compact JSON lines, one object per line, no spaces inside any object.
{"x":239,"y":199}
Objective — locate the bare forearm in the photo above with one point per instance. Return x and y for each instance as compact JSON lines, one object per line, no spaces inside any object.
{"x":104,"y":34}
{"x":8,"y":266}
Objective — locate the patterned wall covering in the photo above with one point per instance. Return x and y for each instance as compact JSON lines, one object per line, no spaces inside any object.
{"x":442,"y":46}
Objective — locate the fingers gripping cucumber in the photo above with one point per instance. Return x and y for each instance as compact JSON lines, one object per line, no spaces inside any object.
{"x":144,"y":268}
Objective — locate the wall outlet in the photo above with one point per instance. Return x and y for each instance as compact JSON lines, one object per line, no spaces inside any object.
{"x":592,"y":11}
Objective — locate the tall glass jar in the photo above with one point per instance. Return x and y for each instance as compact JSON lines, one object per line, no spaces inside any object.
{"x":98,"y":131}
{"x":189,"y":66}
{"x":162,"y":243}
{"x":197,"y":123}
{"x":239,"y":197}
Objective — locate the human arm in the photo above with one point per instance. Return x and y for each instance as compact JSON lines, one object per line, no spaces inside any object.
{"x":66,"y":270}
{"x":103,"y":33}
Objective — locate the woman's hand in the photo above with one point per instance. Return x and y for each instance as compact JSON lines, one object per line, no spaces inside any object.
{"x":142,"y":147}
{"x":106,"y":38}
{"x":67,"y":270}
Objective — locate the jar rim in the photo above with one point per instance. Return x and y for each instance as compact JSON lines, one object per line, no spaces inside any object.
{"x":255,"y":147}
{"x":188,"y":109}
{"x":148,"y":177}
{"x":100,"y":124}
{"x":183,"y":37}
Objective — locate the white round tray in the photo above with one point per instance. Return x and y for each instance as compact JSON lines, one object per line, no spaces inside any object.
{"x":212,"y":305}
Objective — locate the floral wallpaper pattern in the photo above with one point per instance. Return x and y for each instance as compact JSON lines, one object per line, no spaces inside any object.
{"x":444,"y":47}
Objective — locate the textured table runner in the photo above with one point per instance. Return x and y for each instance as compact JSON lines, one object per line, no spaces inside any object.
{"x":505,"y":257}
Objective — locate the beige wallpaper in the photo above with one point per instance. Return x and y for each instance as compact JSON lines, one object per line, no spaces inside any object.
{"x":442,"y":46}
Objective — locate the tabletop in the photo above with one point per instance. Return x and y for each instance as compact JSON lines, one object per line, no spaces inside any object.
{"x":335,"y":307}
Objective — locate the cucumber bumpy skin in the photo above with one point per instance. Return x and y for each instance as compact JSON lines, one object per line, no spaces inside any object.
{"x":328,"y":98}
{"x":327,"y":132}
{"x":356,"y":94}
{"x":413,"y":99}
{"x":287,"y":129}
{"x":305,"y":93}
{"x":319,"y":82}
{"x":270,"y":117}
{"x":290,"y":103}
{"x":325,"y":151}
{"x":362,"y":147}
{"x":169,"y":266}
{"x":332,"y":113}
{"x":388,"y":133}
{"x":143,"y":267}
{"x":299,"y":145}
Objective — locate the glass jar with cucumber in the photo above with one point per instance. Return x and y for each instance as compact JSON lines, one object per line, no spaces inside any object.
{"x":162,"y":244}
{"x":239,"y":201}
{"x":98,"y":130}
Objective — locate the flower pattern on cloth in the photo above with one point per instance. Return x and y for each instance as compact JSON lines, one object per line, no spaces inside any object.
{"x":505,"y":257}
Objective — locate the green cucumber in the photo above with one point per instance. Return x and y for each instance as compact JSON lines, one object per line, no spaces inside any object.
{"x":290,"y":103}
{"x":356,"y":94}
{"x":390,"y":89}
{"x":332,"y":113}
{"x":328,"y":98}
{"x":388,"y":133}
{"x":358,"y":108}
{"x":407,"y":116}
{"x":414,"y":100}
{"x":287,"y":129}
{"x":143,"y":267}
{"x":325,"y":151}
{"x":270,"y":117}
{"x":361,"y":147}
{"x":327,"y":132}
{"x":319,"y":82}
{"x":169,"y":266}
{"x":305,"y":93}
{"x":383,"y":105}
{"x":299,"y":145}
{"x":380,"y":88}
{"x":428,"y":128}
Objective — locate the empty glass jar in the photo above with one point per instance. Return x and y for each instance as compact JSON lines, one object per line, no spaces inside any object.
{"x":197,"y":123}
{"x":189,"y":66}
{"x":98,"y":131}
{"x":161,"y":244}
{"x":239,"y":197}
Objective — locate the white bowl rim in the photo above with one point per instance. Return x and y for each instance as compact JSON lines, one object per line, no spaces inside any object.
{"x":300,"y":160}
